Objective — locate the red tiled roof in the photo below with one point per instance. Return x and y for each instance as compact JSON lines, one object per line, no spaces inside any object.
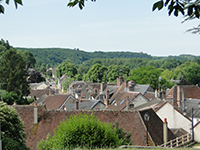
{"x":55,"y":101}
{"x":190,"y":91}
{"x":130,"y":121}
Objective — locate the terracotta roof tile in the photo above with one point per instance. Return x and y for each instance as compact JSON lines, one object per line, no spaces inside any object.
{"x":130,"y":121}
{"x":55,"y":101}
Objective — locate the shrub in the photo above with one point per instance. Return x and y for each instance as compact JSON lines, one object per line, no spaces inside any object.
{"x":83,"y":130}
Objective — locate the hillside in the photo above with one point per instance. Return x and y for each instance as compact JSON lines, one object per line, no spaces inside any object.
{"x":55,"y":56}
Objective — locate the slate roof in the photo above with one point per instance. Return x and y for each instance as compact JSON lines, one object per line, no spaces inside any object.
{"x":130,"y":121}
{"x":152,"y":104}
{"x":84,"y":105}
{"x":40,"y":93}
{"x":142,"y":88}
{"x":192,"y":103}
{"x":40,"y":100}
{"x":56,"y":101}
{"x":120,"y":102}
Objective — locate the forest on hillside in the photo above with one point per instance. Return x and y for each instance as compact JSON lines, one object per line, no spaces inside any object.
{"x":159,"y":72}
{"x":55,"y":56}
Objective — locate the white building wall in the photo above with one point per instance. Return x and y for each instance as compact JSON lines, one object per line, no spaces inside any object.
{"x":174,"y":118}
{"x":197,"y":133}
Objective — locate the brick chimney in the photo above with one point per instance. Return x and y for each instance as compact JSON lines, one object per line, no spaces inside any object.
{"x":76,"y":105}
{"x":120,"y":80}
{"x":178,"y":96}
{"x":165,"y":131}
{"x":127,"y":103}
{"x":35,"y":113}
{"x":102,"y":87}
{"x":106,"y":101}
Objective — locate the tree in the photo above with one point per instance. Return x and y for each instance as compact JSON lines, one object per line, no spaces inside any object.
{"x":67,"y":68}
{"x":28,"y":58}
{"x":13,"y":74}
{"x":96,"y":73}
{"x":146,"y":75}
{"x":12,"y":129}
{"x":84,"y":131}
{"x":17,"y":2}
{"x":192,"y":73}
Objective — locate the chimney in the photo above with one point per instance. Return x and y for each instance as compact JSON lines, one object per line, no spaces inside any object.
{"x":95,"y":91}
{"x":178,"y":96}
{"x":35,"y":114}
{"x":131,"y":85}
{"x":156,"y":93}
{"x":102,"y":87}
{"x":165,"y":131}
{"x":127,"y":103}
{"x":64,"y":108}
{"x":76,"y":105}
{"x":106,"y":101}
{"x":126,"y":84}
{"x":120,"y":80}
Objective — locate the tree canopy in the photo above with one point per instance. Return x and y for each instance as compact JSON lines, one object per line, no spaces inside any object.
{"x":13,"y":73}
{"x":12,"y":129}
{"x":96,"y":73}
{"x":67,"y":68}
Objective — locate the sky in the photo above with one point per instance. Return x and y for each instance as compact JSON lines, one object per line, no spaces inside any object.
{"x":104,"y":25}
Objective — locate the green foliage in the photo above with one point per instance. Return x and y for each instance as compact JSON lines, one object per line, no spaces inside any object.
{"x":96,"y":72}
{"x":83,"y":130}
{"x":28,"y":57}
{"x":13,"y":74}
{"x":146,"y":75}
{"x":11,"y":97}
{"x":67,"y":68}
{"x":192,"y":73}
{"x":12,"y":128}
{"x":78,"y":77}
{"x":16,"y":2}
{"x":49,"y":73}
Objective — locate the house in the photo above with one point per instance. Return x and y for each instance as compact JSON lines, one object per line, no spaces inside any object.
{"x":131,"y":121}
{"x":186,"y":98}
{"x":175,"y":117}
{"x":38,"y":86}
{"x":87,"y":90}
{"x":39,"y":93}
{"x":148,"y":105}
{"x":178,"y":93}
{"x":127,"y":100}
{"x":61,"y":80}
{"x":57,"y":102}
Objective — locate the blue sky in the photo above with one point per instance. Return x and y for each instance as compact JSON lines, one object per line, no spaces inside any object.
{"x":106,"y":25}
